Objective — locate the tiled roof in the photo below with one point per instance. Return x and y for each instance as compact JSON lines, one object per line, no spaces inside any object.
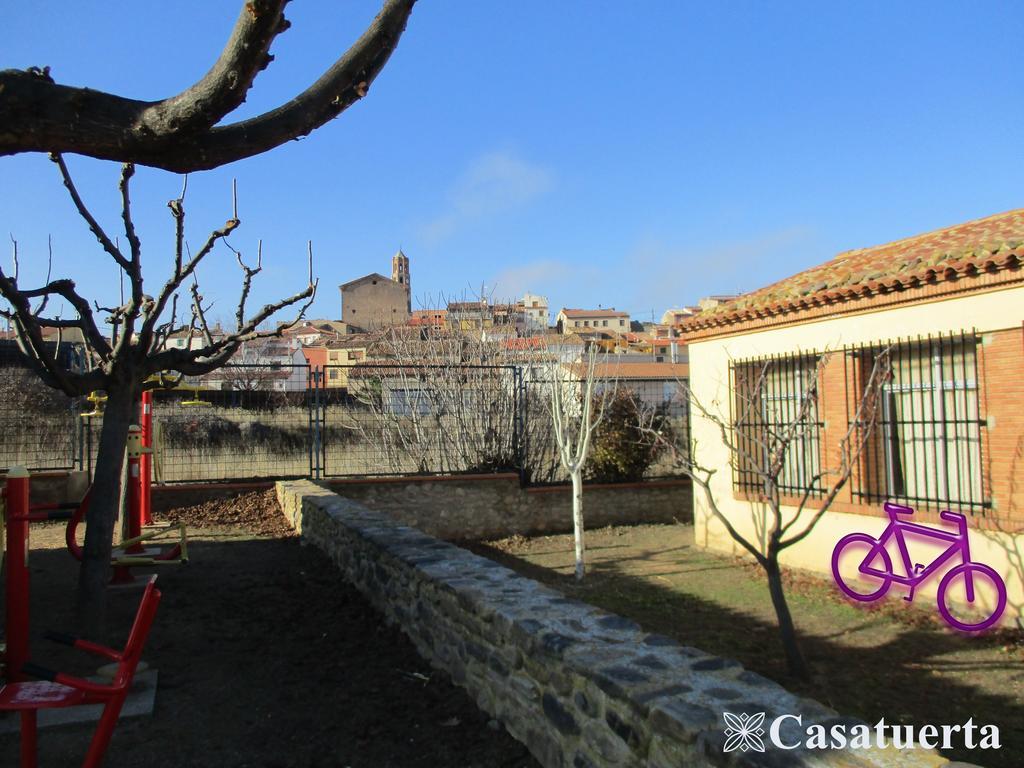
{"x":667,"y":342}
{"x":525,"y":343}
{"x":976,"y":247}
{"x":467,"y":306}
{"x":634,"y":371}
{"x":354,"y":341}
{"x":589,"y":313}
{"x":373,"y":276}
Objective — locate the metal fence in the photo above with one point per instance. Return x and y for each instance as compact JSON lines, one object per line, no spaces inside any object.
{"x":362,"y":420}
{"x":260,"y":428}
{"x":389,"y":419}
{"x":39,"y":426}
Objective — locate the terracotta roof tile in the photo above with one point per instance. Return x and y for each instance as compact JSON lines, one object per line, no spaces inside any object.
{"x":964,"y":250}
{"x":587,"y":313}
{"x":633,"y":371}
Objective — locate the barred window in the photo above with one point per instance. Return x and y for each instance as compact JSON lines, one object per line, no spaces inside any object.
{"x":925,"y":448}
{"x":776,"y":427}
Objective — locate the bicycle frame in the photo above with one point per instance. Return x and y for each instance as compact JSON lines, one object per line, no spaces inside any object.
{"x":897,"y":528}
{"x":965,"y":574}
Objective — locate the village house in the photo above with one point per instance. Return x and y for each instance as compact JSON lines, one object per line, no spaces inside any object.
{"x":577,"y":320}
{"x":276,"y":364}
{"x":654,"y":384}
{"x":943,"y":313}
{"x":344,"y":353}
{"x":535,"y":312}
{"x":470,"y":315}
{"x":311,"y":333}
{"x":434,"y":319}
{"x":192,"y":338}
{"x":673,"y":317}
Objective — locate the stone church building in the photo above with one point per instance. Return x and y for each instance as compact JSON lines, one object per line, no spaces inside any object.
{"x":374,"y":301}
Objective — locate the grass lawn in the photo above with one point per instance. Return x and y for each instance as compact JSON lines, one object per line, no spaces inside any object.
{"x":895,"y":660}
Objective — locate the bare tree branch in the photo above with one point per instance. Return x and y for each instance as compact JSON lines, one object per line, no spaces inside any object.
{"x":19,"y":301}
{"x":178,"y":133}
{"x":83,"y":211}
{"x":224,"y":87}
{"x":49,"y":269}
{"x":851,"y":445}
{"x":181,"y":272}
{"x":14,"y":258}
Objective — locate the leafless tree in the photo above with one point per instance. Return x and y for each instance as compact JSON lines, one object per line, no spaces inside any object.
{"x":437,"y":400}
{"x":766,"y":439}
{"x":182,"y":133}
{"x":136,"y":359}
{"x":574,"y":419}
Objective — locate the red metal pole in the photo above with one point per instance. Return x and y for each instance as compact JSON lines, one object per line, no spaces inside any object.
{"x":17,"y":572}
{"x":146,"y":460}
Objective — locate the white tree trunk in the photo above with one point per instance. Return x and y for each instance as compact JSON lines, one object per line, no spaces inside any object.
{"x":577,"y":520}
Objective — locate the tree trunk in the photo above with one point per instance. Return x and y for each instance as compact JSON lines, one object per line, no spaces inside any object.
{"x":795,"y":662}
{"x":577,"y":520}
{"x":118,"y":415}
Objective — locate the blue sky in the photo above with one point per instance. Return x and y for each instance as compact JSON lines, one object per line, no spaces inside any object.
{"x":636,"y":155}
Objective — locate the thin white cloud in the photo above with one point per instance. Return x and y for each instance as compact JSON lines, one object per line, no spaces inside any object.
{"x":664,"y":275}
{"x":536,"y":277}
{"x":493,"y":184}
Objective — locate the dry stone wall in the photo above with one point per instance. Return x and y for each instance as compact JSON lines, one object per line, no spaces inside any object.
{"x":579,"y":686}
{"x":490,"y":506}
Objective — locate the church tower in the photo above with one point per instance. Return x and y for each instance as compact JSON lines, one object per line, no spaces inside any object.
{"x":400,"y":274}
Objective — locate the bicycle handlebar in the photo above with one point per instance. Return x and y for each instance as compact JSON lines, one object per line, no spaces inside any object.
{"x":897,"y":509}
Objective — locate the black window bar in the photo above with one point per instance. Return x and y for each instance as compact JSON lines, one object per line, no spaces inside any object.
{"x":924,"y":444}
{"x":775,"y":413}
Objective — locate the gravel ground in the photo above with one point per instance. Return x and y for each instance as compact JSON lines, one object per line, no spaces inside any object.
{"x":266,"y":657}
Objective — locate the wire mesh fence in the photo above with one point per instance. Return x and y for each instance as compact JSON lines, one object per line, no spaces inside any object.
{"x":39,"y":425}
{"x":366,"y":419}
{"x":259,"y":428}
{"x":385,"y":419}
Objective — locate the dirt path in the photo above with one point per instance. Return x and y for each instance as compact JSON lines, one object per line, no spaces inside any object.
{"x":266,"y":658}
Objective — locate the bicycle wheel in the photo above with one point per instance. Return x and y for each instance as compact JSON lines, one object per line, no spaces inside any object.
{"x":981,"y":612}
{"x":851,"y":552}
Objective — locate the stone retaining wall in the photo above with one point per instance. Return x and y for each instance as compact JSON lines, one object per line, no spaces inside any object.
{"x":491,"y":506}
{"x":578,"y":686}
{"x":55,"y":486}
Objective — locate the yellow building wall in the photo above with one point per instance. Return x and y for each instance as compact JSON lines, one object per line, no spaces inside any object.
{"x":339,"y":363}
{"x":709,"y":381}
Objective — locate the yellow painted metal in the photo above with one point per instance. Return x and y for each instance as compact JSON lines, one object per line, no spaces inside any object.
{"x":195,"y":401}
{"x":98,"y":400}
{"x":149,"y":536}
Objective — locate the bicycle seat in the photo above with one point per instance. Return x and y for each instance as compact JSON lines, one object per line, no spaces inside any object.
{"x":897,"y":509}
{"x":952,"y":517}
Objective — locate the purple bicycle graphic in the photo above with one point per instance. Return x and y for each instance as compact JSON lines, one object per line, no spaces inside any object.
{"x":873,"y":582}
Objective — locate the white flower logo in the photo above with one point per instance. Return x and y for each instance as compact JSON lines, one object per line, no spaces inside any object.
{"x":743,"y":732}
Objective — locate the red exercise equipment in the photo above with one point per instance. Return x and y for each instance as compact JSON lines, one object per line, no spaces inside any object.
{"x":146,"y":459}
{"x":56,"y":689}
{"x":18,"y":516}
{"x":135,"y":555}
